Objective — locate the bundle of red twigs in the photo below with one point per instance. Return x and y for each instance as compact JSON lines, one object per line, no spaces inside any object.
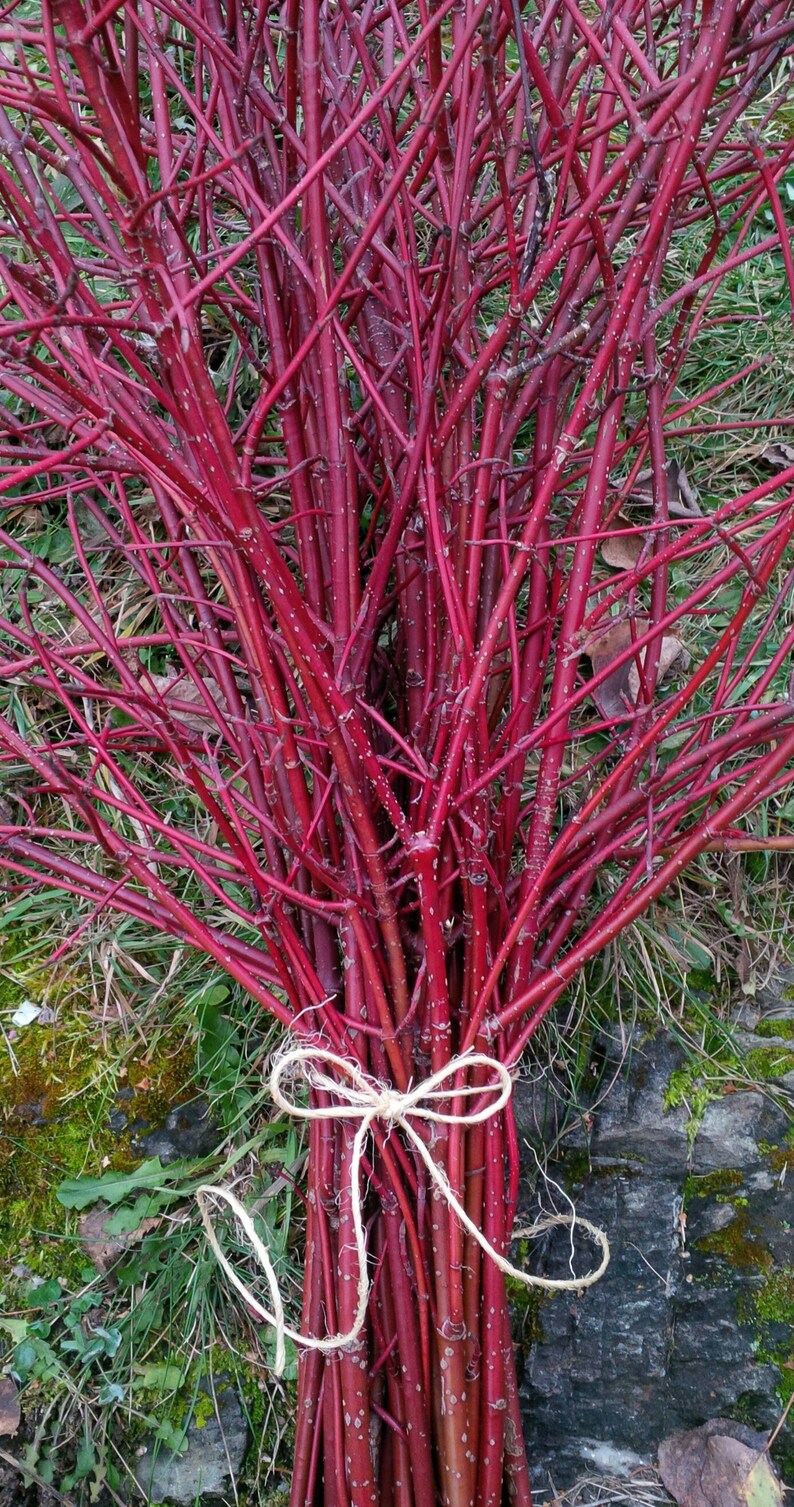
{"x":340,"y":338}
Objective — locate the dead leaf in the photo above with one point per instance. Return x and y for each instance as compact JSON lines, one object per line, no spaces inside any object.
{"x":104,"y":1248}
{"x":623,"y":551}
{"x":778,"y":455}
{"x":28,"y":517}
{"x":722,"y":1464}
{"x":612,"y":696}
{"x":672,"y":656}
{"x":616,"y":696}
{"x":186,"y":701}
{"x":10,"y":1415}
{"x":682,"y":499}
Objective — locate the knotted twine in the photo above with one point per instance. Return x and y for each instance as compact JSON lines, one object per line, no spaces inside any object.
{"x":361,"y":1098}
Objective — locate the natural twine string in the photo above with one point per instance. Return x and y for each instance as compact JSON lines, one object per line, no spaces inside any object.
{"x":359,"y":1097}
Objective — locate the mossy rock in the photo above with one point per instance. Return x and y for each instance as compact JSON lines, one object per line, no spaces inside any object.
{"x":737,"y":1243}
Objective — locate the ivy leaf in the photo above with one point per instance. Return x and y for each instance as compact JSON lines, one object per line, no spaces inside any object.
{"x":34,"y":1357}
{"x":44,"y":1294}
{"x":84,"y":1464}
{"x":16,"y":1329}
{"x":172,"y":1435}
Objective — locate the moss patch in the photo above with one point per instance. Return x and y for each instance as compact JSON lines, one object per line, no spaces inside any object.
{"x":526,"y":1305}
{"x":780,"y":1158}
{"x":51,"y":1116}
{"x":771,"y":1311}
{"x":161,"y":1080}
{"x":57,"y":1089}
{"x":712,"y":1184}
{"x":774,"y":1302}
{"x":737,"y":1244}
{"x":769,"y":1063}
{"x":688,"y":1087}
{"x":781,"y":1030}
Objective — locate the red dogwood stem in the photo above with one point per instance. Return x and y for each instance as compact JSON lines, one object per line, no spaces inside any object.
{"x":348,"y":356}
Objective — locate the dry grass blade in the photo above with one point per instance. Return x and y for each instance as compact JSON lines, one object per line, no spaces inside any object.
{"x":608,"y":1491}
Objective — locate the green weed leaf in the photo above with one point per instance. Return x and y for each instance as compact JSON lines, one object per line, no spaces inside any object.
{"x":115,"y":1187}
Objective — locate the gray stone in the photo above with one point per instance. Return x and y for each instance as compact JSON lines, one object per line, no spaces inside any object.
{"x":215,"y":1453}
{"x":715,"y":1217}
{"x":663,"y":1342}
{"x":777,"y":995}
{"x":190,"y":1131}
{"x":732,"y":1129}
{"x":634,"y":1122}
{"x":624,"y":1116}
{"x":540,"y":1109}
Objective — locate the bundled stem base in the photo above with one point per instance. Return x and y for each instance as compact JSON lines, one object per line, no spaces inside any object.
{"x":479,"y":1088}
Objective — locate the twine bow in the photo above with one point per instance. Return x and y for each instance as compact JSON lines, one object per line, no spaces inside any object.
{"x":362,"y":1098}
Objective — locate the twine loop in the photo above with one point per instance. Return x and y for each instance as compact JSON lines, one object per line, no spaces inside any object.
{"x":359,"y":1097}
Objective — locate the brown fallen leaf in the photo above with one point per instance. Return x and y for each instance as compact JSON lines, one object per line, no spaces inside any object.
{"x":722,"y":1464}
{"x":623,"y":551}
{"x":612,"y":696}
{"x":682,"y":499}
{"x":186,"y":701}
{"x":672,"y":656}
{"x":617,"y":695}
{"x":106,"y":1249}
{"x":778,"y":455}
{"x":27,"y":516}
{"x":10,"y":1415}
